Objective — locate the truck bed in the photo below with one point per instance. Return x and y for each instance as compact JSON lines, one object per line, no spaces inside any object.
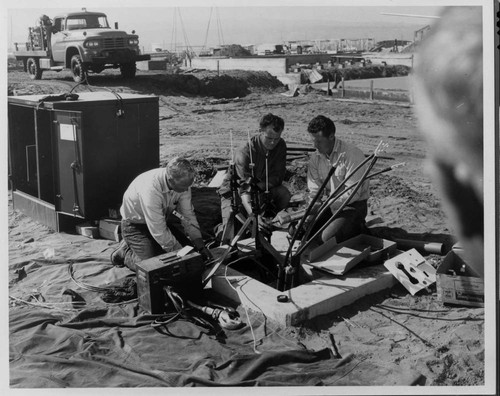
{"x":26,"y":53}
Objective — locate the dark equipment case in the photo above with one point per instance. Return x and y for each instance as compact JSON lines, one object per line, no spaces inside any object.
{"x":183,"y":273}
{"x":72,"y":160}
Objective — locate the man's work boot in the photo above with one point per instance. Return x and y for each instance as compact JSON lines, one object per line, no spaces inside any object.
{"x":118,"y":255}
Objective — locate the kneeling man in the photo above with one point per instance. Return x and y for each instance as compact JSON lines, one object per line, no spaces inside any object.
{"x":148,"y":204}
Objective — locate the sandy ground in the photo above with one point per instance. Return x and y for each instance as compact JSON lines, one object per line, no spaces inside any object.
{"x":443,"y":343}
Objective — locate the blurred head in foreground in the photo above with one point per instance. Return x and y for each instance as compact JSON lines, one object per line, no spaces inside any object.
{"x":449,"y":103}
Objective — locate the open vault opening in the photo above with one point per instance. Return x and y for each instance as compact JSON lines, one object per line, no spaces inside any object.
{"x":281,"y":277}
{"x":318,"y":293}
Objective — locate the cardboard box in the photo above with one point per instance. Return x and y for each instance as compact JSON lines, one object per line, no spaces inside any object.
{"x":88,"y":230}
{"x":379,"y":248}
{"x":110,"y":229}
{"x":337,"y":258}
{"x":456,"y":283}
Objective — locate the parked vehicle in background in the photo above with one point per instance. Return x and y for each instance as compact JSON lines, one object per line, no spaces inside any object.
{"x":80,"y":41}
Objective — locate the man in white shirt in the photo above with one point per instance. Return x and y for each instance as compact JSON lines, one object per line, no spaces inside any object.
{"x":148,"y":204}
{"x":351,"y":220}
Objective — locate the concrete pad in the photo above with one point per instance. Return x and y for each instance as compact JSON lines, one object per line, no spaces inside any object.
{"x":318,"y":297}
{"x":322,"y":295}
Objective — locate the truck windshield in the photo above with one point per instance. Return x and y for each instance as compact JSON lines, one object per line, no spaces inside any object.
{"x":86,"y":22}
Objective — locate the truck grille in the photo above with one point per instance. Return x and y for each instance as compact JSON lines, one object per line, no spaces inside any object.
{"x":117,"y":42}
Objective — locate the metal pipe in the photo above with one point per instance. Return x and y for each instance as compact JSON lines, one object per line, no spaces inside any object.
{"x":422,"y":246}
{"x":330,"y":220}
{"x":281,"y":269}
{"x":334,"y":194}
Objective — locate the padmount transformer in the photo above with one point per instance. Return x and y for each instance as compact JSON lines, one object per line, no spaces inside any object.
{"x":71,"y":157}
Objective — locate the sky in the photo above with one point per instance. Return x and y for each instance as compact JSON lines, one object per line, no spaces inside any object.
{"x":189,"y":23}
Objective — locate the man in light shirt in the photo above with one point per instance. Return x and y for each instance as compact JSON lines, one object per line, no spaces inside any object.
{"x":148,"y":205}
{"x":351,"y":220}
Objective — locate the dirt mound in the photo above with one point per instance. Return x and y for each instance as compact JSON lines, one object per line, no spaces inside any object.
{"x":254,"y":79}
{"x":227,"y":84}
{"x":223,"y":86}
{"x":234,"y":50}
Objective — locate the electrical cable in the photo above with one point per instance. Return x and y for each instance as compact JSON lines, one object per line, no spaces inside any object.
{"x":84,"y":285}
{"x":303,"y":219}
{"x":118,"y":97}
{"x":80,"y":83}
{"x":424,"y":341}
{"x":280,"y":276}
{"x":244,"y":308}
{"x":395,"y":310}
{"x":370,"y":177}
{"x":334,"y":216}
{"x":334,"y":196}
{"x":183,"y":313}
{"x":45,"y":305}
{"x":166,"y":319}
{"x":54,"y":305}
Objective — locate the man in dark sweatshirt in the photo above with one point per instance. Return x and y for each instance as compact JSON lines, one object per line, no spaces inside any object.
{"x":263,"y":157}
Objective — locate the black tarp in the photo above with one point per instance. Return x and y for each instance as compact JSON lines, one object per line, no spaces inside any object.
{"x":53,"y":343}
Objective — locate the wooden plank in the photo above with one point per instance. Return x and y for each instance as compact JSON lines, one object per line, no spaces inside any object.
{"x":38,"y":210}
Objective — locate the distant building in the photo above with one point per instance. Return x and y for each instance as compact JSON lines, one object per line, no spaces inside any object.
{"x":269,"y":49}
{"x":329,"y":46}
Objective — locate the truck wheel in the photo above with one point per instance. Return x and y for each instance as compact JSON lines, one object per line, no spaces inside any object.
{"x":79,"y":72}
{"x":128,"y":70}
{"x":33,"y":69}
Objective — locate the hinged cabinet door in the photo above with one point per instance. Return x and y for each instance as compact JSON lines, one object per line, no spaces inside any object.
{"x":67,"y":129}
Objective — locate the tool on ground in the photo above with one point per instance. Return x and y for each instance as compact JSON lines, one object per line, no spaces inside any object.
{"x":213,"y":318}
{"x":228,"y":319}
